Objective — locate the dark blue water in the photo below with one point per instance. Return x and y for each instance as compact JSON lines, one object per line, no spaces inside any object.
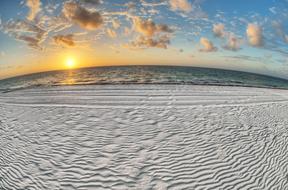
{"x":143,"y":75}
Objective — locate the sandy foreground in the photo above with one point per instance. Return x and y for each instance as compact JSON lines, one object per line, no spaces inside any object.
{"x":144,"y":137}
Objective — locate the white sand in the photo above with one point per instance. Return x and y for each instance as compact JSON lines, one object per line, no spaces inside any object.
{"x":144,"y":137}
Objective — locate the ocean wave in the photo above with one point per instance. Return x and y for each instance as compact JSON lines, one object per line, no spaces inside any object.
{"x":142,"y":75}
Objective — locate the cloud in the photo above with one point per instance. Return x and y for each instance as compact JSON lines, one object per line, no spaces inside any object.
{"x":34,"y":6}
{"x":31,"y":41}
{"x":188,"y":9}
{"x":244,"y":57}
{"x":116,"y":23}
{"x":148,"y":42}
{"x":86,"y":19}
{"x":55,"y":24}
{"x":219,"y":30}
{"x":182,"y":5}
{"x":127,"y":31}
{"x":280,"y":31}
{"x":153,"y":11}
{"x":26,"y":32}
{"x":273,"y":10}
{"x":111,"y":33}
{"x":149,"y":28}
{"x":254,"y":35}
{"x":152,"y":34}
{"x":64,"y":40}
{"x":208,"y":46}
{"x":131,"y":5}
{"x":94,"y":2}
{"x":233,"y":44}
{"x":153,"y":3}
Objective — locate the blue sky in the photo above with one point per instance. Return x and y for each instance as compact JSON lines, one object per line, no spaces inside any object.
{"x":240,"y":34}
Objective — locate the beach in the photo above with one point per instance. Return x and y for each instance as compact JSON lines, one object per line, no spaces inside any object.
{"x":144,"y":137}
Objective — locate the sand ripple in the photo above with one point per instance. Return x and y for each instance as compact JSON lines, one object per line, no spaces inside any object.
{"x":144,"y":137}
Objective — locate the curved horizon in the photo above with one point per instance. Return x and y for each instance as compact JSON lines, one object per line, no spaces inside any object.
{"x":154,"y":65}
{"x":141,"y":75}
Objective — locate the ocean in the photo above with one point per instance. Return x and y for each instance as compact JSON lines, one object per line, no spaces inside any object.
{"x":142,"y":75}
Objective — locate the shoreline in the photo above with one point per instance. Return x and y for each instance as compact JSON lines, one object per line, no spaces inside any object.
{"x":139,"y":83}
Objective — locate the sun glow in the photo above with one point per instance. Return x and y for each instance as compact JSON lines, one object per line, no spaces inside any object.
{"x":70,"y":63}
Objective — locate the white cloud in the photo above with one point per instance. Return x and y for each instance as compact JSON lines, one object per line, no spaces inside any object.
{"x":280,"y":31}
{"x":111,"y":33}
{"x":94,"y":2}
{"x":181,"y":5}
{"x":34,"y":6}
{"x":233,"y":43}
{"x":152,"y":34}
{"x":116,"y":23}
{"x":219,"y":30}
{"x":64,"y":40}
{"x":148,"y":42}
{"x":127,"y":31}
{"x":254,"y":35}
{"x":26,"y":32}
{"x":85,"y":18}
{"x":207,"y":45}
{"x":149,"y":28}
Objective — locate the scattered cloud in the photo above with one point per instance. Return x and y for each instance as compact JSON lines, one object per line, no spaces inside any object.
{"x":111,"y":33}
{"x":64,"y":40}
{"x":31,"y":41}
{"x":280,"y":31}
{"x":54,"y":24}
{"x":116,"y":23}
{"x":149,"y":28}
{"x":180,"y":5}
{"x":34,"y":6}
{"x":85,"y":18}
{"x":127,"y":31}
{"x":244,"y":57}
{"x":208,"y":46}
{"x":254,"y":35}
{"x":154,"y":3}
{"x":94,"y":2}
{"x":151,"y":34}
{"x":273,"y":10}
{"x":153,"y":11}
{"x":131,"y":5}
{"x":148,"y":42}
{"x":26,"y":32}
{"x":233,"y":44}
{"x":142,"y":30}
{"x":188,"y":10}
{"x":219,"y":30}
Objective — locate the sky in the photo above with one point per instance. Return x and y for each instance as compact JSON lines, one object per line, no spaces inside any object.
{"x":43,"y":35}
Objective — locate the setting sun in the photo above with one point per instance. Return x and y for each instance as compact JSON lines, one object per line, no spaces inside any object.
{"x":70,"y":63}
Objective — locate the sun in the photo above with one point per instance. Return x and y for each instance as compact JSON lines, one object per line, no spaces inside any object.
{"x":70,"y":63}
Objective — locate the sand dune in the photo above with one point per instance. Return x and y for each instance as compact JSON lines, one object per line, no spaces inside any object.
{"x":144,"y":137}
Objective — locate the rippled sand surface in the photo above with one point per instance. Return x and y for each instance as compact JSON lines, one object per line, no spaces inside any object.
{"x":144,"y":137}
